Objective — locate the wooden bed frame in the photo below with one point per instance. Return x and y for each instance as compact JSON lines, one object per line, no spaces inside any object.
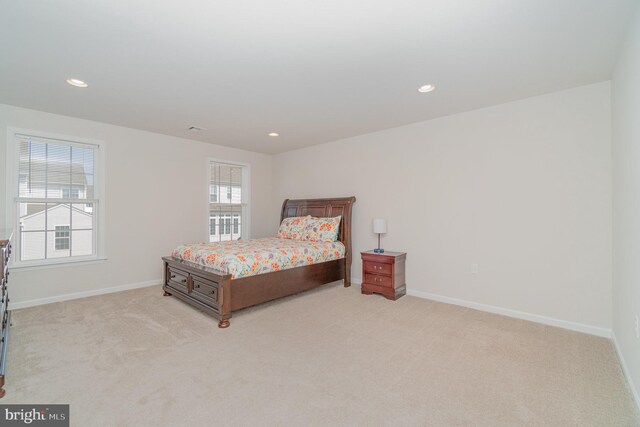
{"x":216,"y":293}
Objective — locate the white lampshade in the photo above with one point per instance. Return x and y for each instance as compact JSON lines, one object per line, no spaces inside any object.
{"x":379,"y":225}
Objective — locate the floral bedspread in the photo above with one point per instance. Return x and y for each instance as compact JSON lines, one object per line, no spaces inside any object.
{"x":244,"y":258}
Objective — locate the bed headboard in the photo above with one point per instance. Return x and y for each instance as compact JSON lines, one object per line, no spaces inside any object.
{"x":325,"y":208}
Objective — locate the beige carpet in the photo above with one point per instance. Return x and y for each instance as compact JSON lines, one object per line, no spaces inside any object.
{"x":327,"y":357}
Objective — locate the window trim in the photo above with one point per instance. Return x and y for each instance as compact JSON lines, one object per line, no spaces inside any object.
{"x":245,"y":226}
{"x":12,"y":195}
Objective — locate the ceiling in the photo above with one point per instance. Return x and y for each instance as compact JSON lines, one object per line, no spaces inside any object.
{"x":313,"y":71}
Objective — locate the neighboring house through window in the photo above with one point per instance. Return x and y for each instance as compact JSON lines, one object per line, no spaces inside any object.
{"x":228,"y":201}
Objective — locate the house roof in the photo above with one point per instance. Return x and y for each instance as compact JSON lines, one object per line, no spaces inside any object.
{"x":58,"y":206}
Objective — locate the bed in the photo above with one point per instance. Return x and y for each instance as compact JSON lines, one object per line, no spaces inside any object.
{"x":220,"y":289}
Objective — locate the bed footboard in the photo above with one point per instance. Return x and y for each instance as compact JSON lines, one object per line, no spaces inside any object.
{"x":204,"y":288}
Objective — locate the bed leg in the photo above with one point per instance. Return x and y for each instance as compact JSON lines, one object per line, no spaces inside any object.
{"x":347,"y":273}
{"x":224,"y":301}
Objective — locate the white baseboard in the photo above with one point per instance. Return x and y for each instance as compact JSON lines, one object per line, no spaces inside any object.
{"x":588,"y":329}
{"x":579,"y":327}
{"x":84,"y":294}
{"x":625,"y":370}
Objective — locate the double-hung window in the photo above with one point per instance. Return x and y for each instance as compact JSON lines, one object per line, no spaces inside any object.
{"x":228,"y":201}
{"x":55,"y":198}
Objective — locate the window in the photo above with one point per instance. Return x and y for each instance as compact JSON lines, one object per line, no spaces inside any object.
{"x":62,"y":237}
{"x":212,"y":226}
{"x":229,"y":208}
{"x":213,"y":194}
{"x":70,"y":193}
{"x":55,"y":201}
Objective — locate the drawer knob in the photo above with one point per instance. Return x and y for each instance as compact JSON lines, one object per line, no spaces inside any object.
{"x":173,"y":276}
{"x":184,"y":280}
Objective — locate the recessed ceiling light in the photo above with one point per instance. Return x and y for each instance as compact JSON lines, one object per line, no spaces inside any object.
{"x":426,"y":88}
{"x":274,"y":134}
{"x":195,"y":128}
{"x":77,"y":83}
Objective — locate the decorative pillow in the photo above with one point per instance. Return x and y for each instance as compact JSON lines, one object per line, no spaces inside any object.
{"x":322,"y":229}
{"x":293,"y":227}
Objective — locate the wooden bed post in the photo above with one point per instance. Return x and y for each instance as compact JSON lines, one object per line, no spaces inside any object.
{"x":166,"y":280}
{"x":347,"y":242}
{"x":347,"y":273}
{"x":224,"y":298}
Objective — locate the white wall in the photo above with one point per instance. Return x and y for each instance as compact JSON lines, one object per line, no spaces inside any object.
{"x":522,"y":189}
{"x":626,"y":202}
{"x":156,"y":198}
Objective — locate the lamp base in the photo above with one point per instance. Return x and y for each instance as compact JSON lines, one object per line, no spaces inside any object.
{"x":378,"y":251}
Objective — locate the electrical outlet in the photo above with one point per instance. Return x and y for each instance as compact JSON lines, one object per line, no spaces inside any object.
{"x":637,"y":327}
{"x":474,"y":268}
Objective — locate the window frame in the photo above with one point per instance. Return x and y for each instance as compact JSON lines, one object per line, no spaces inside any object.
{"x":12,"y":200}
{"x":245,"y":218}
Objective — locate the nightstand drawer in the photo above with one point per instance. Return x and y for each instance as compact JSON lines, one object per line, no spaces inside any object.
{"x":377,"y":267}
{"x":374,"y":279}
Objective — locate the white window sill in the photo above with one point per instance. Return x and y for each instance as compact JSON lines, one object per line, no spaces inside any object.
{"x":59,"y":264}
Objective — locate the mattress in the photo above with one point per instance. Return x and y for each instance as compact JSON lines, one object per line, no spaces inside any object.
{"x":242,"y":258}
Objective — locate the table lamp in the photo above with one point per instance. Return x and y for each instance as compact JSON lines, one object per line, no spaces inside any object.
{"x":379,"y":227}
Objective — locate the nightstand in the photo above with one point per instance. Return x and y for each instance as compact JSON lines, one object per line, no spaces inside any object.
{"x":384,"y":274}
